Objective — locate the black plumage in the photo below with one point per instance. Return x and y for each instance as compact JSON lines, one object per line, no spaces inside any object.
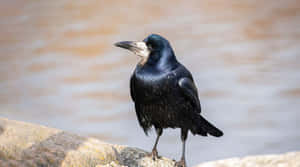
{"x":164,"y":92}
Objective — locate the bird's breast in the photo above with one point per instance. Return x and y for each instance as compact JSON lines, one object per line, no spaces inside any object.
{"x":153,"y":87}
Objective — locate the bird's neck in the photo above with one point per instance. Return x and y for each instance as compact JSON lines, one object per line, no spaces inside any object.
{"x":162,"y":61}
{"x":166,"y":63}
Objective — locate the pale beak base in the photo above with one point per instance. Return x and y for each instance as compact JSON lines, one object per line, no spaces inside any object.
{"x":138,"y":48}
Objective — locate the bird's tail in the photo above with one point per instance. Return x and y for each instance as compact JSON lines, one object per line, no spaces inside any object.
{"x":203,"y":127}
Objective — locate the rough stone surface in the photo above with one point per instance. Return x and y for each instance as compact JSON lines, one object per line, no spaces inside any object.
{"x":282,"y":160}
{"x":28,"y":145}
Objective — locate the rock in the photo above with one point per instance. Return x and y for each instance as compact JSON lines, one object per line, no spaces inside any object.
{"x":282,"y":160}
{"x":28,"y":145}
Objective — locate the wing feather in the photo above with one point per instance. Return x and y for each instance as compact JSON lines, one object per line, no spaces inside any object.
{"x":132,"y":93}
{"x":189,"y":90}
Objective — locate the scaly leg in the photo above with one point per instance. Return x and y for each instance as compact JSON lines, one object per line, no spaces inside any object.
{"x":182,"y":163}
{"x":154,"y":150}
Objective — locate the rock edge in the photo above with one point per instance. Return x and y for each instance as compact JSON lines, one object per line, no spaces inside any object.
{"x":29,"y":145}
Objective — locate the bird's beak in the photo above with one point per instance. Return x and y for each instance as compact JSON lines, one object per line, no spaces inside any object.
{"x":138,"y":48}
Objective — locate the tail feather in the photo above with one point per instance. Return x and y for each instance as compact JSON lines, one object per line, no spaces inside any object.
{"x":203,"y":127}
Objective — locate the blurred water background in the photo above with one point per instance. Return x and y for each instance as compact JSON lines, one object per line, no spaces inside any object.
{"x":59,"y":68}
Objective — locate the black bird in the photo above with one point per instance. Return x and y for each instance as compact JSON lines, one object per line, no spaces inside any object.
{"x":164,"y":92}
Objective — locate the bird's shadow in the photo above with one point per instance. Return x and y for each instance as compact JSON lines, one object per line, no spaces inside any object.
{"x":135,"y":157}
{"x":130,"y":157}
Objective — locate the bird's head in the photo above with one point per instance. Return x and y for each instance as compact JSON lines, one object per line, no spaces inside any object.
{"x":154,"y":50}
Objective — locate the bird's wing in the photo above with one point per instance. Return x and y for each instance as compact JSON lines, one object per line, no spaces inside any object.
{"x":138,"y":108}
{"x":132,"y":93}
{"x":189,"y":90}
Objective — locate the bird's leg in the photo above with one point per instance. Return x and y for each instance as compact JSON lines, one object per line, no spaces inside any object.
{"x":154,"y":150}
{"x":184,"y":134}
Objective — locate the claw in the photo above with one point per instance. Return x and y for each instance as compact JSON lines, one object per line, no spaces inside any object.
{"x":154,"y":155}
{"x":180,"y":163}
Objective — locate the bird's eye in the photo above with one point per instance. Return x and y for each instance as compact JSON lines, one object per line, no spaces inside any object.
{"x":150,"y":47}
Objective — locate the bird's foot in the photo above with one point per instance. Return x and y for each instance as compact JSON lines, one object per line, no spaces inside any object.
{"x":180,"y":163}
{"x":154,"y":154}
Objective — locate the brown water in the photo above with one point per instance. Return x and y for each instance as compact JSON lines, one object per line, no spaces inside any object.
{"x":58,"y":67}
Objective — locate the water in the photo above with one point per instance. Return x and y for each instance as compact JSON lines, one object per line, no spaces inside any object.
{"x":59,"y":68}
